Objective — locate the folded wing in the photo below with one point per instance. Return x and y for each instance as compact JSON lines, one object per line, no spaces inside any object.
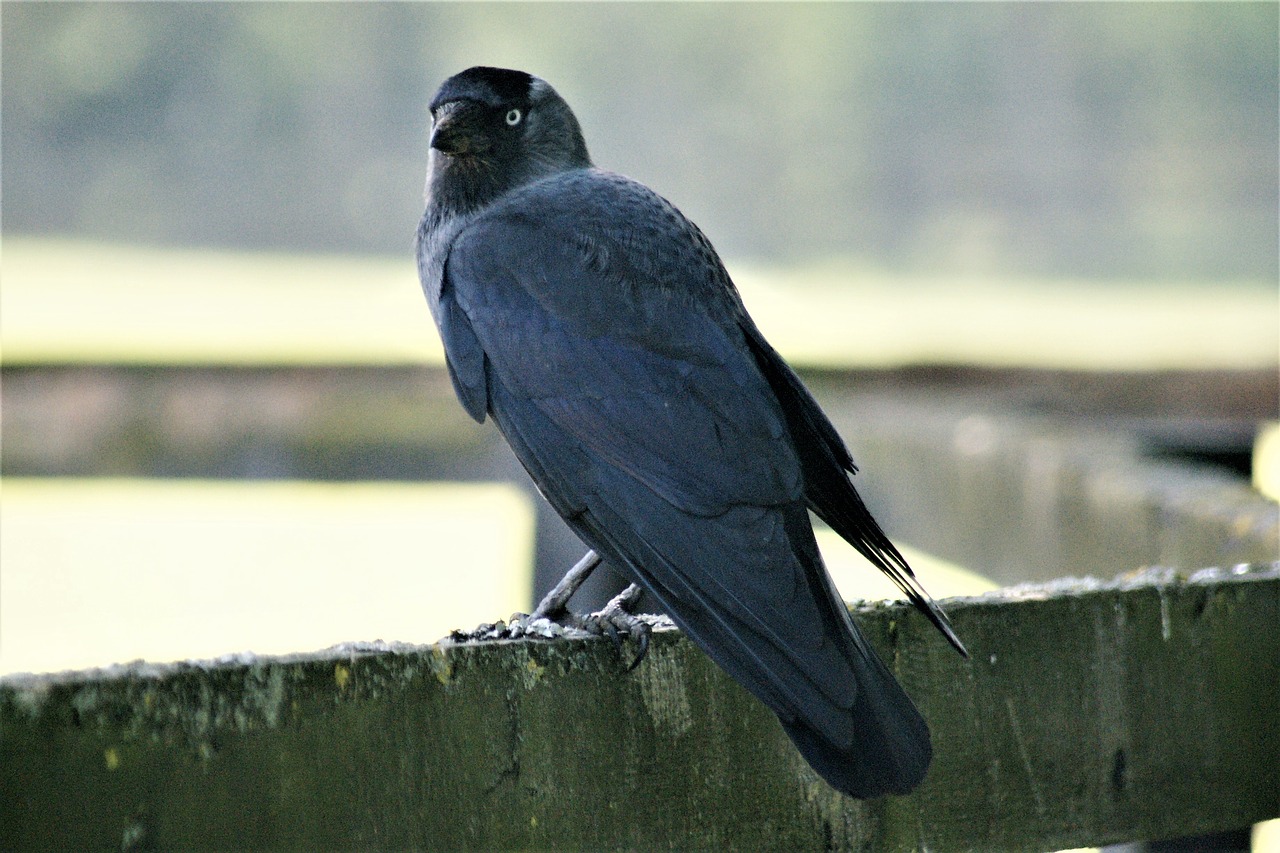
{"x":596,"y":326}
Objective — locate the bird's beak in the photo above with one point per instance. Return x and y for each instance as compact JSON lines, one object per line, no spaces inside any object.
{"x":456,"y":131}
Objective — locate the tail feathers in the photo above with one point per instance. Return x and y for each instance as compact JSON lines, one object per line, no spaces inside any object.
{"x":891,"y":749}
{"x":827,"y":465}
{"x":850,"y":518}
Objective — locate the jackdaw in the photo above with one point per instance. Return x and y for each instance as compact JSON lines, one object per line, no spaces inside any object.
{"x":599,"y":329}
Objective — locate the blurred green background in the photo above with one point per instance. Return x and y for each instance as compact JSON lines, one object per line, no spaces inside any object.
{"x":208,"y":213}
{"x":1127,"y":140}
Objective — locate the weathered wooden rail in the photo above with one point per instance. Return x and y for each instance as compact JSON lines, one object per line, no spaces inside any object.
{"x":1089,"y":713}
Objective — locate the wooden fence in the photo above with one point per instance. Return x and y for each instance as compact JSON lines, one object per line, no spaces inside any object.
{"x":1089,"y":713}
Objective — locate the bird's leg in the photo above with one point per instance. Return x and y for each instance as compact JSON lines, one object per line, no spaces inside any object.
{"x":614,"y":620}
{"x":552,"y":616}
{"x":556,"y":602}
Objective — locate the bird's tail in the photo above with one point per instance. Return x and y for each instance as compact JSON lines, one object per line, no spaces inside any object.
{"x":890,"y":748}
{"x":828,"y":489}
{"x":890,"y":751}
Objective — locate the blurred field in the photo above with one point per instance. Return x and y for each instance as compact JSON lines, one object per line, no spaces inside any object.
{"x":106,"y":571}
{"x":100,"y":571}
{"x":66,"y":301}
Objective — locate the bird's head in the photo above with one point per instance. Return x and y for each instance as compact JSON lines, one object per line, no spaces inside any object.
{"x":494,"y":130}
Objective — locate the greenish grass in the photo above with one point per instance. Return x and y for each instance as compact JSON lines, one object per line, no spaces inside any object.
{"x":67,"y":301}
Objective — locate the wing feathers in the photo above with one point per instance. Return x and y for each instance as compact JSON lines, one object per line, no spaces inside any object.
{"x":464,"y":358}
{"x":623,"y":372}
{"x":830,"y":494}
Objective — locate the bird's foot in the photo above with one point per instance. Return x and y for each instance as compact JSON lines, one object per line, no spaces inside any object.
{"x":552,"y":617}
{"x":616,"y":620}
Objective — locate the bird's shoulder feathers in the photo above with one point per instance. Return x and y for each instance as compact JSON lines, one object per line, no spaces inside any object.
{"x":589,"y":297}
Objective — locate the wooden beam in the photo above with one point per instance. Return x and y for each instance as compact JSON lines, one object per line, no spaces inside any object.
{"x":1089,"y":713}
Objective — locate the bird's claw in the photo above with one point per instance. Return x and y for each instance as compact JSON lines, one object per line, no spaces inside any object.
{"x":552,"y":617}
{"x":519,"y":625}
{"x":616,"y":620}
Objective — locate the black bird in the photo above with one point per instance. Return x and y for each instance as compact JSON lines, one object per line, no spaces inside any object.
{"x":598,"y":328}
